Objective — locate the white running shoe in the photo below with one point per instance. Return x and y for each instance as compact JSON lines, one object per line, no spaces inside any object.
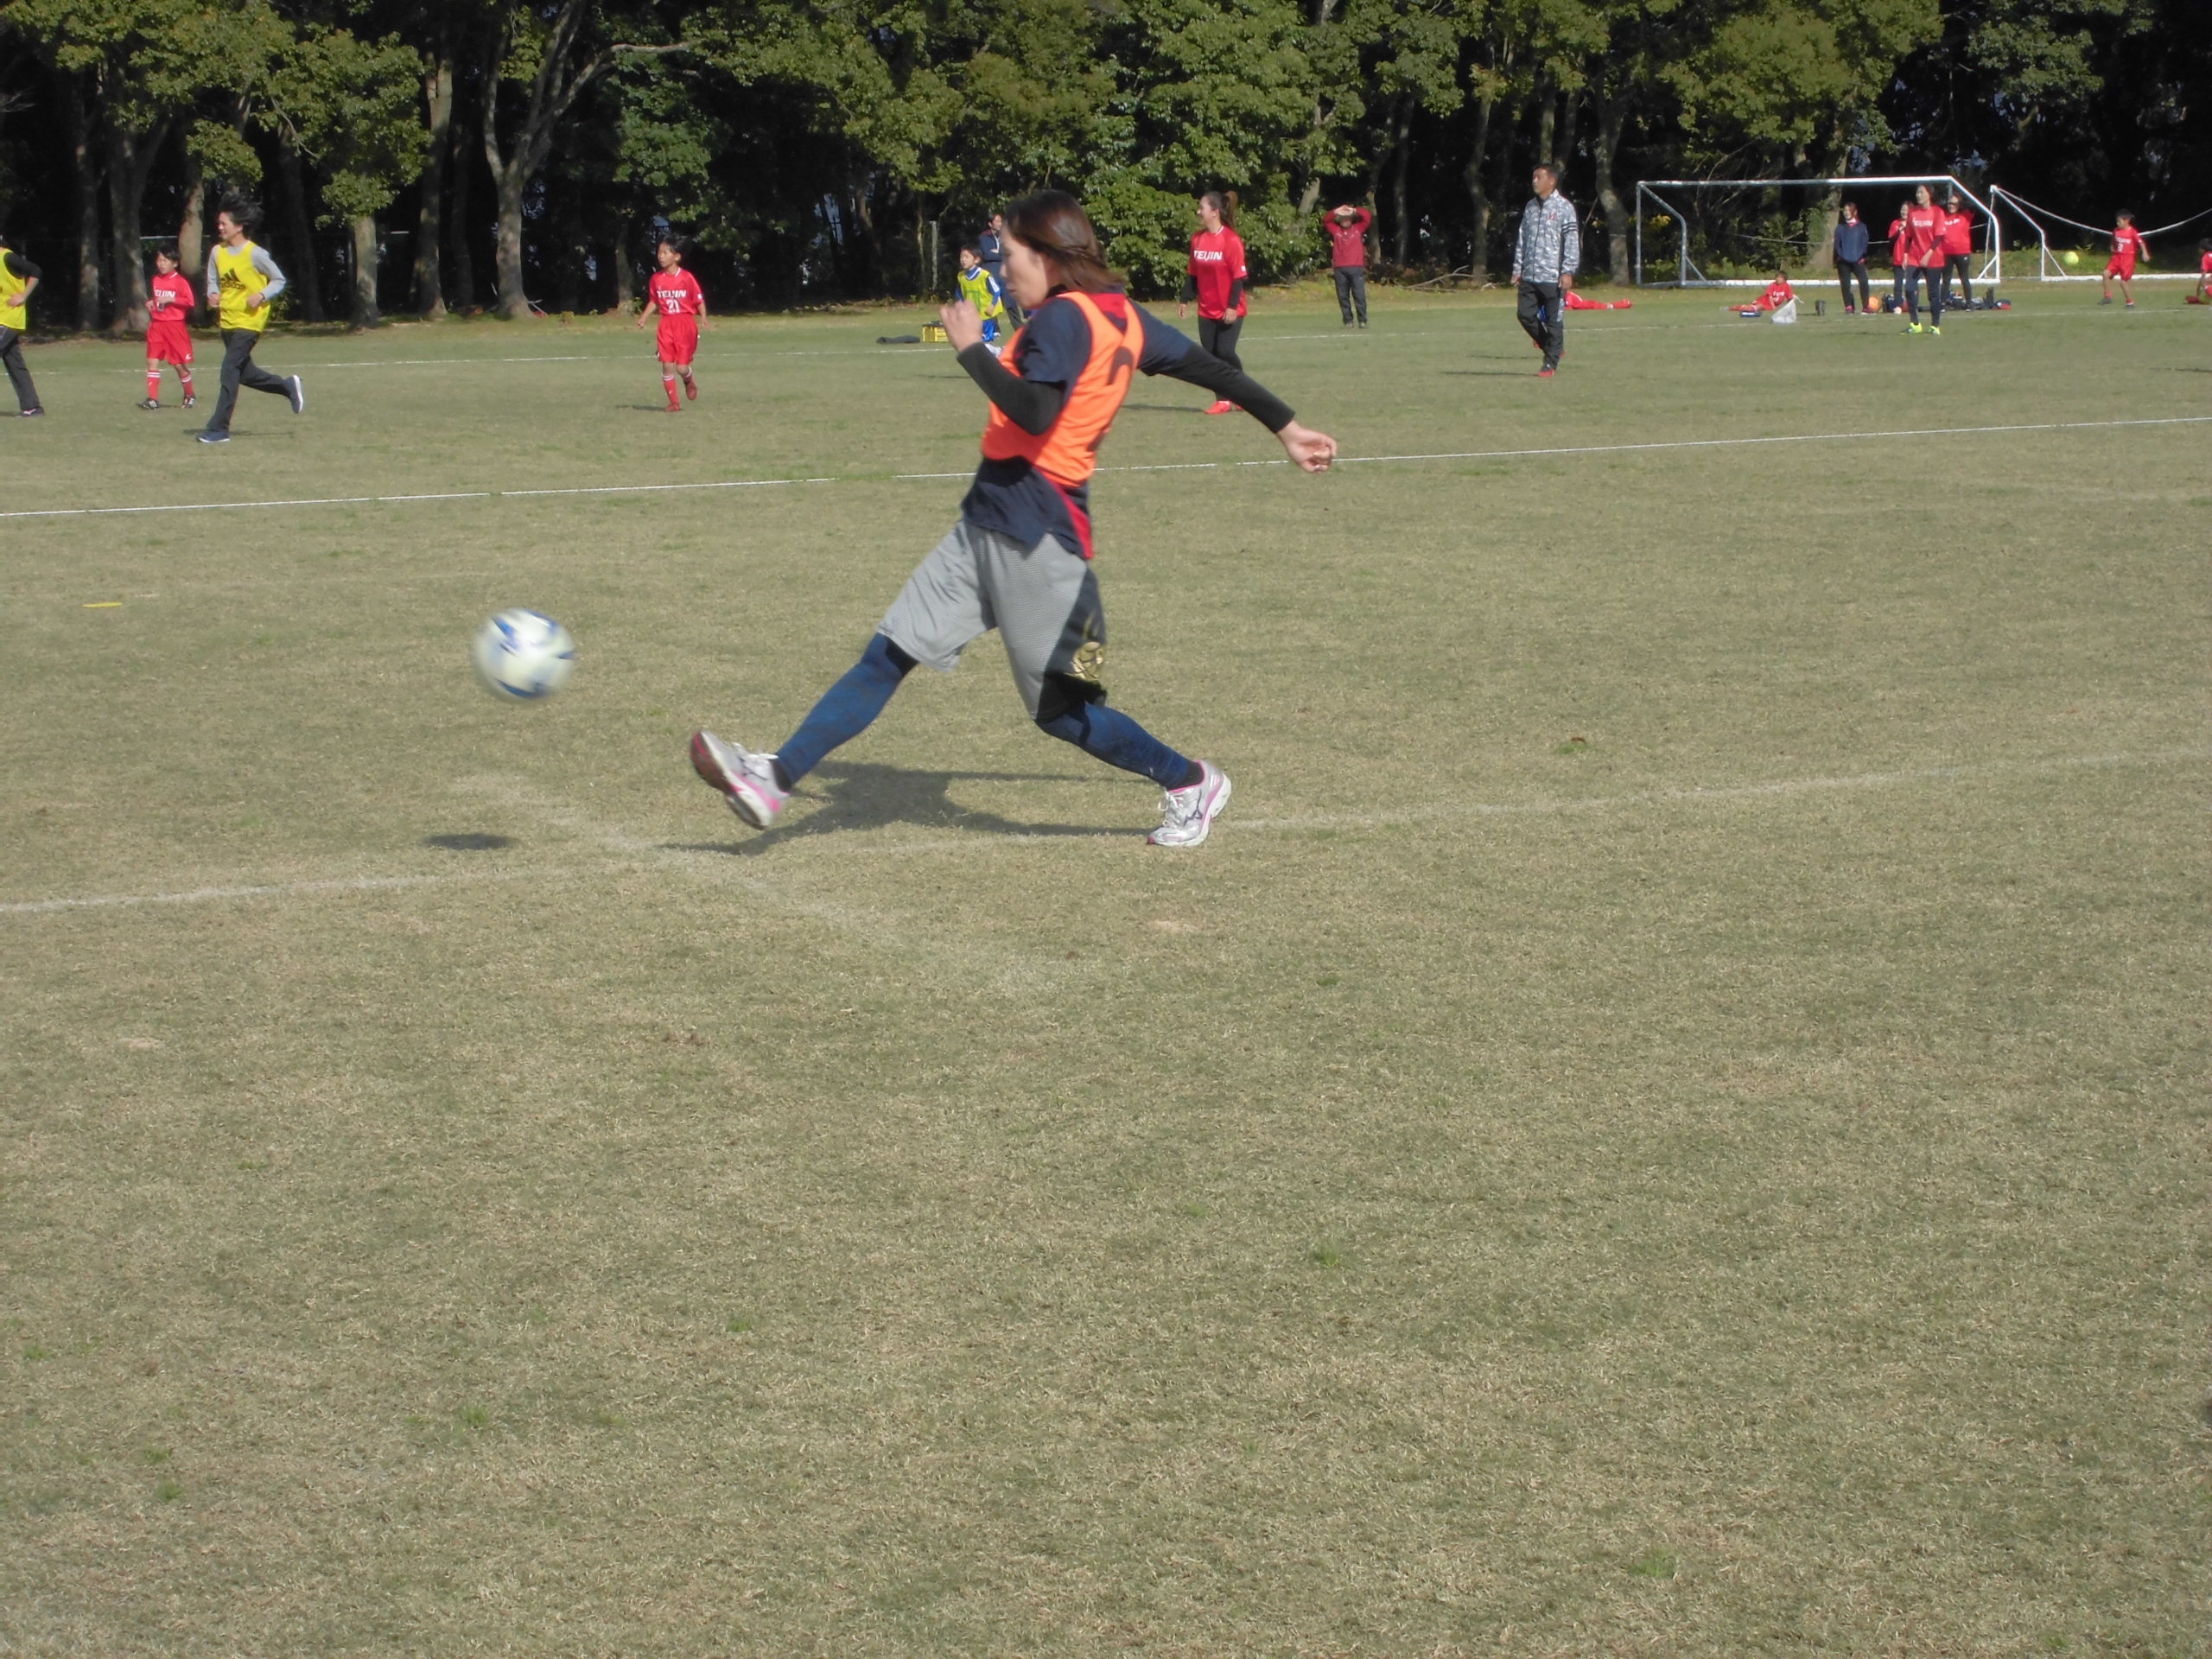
{"x":297,"y":389}
{"x":747,"y":781}
{"x":1185,"y":815}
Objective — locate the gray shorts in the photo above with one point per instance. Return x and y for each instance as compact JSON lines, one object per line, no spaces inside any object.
{"x":1042,"y":601}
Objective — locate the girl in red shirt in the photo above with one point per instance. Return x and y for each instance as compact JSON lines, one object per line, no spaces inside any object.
{"x":1897,"y":257}
{"x":170,"y":300}
{"x":1215,"y":277}
{"x":1923,"y":255}
{"x":675,"y":297}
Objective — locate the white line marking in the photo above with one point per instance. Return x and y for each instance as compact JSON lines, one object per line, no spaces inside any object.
{"x":1161,"y":467}
{"x":1445,"y":811}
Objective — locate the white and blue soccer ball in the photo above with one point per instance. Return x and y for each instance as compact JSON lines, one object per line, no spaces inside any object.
{"x":522,"y":654}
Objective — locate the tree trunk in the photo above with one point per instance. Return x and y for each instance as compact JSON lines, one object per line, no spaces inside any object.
{"x":129,"y":159}
{"x":1309,"y":198}
{"x":1619,"y":221}
{"x":1503,"y":191}
{"x":625,"y":274}
{"x":463,"y":220}
{"x":367,"y":257}
{"x":506,"y":245}
{"x":84,"y":158}
{"x":306,"y":282}
{"x":553,"y":90}
{"x":437,"y":100}
{"x":1478,"y":257}
{"x":1545,"y":116}
{"x":192,"y":230}
{"x":1401,"y":132}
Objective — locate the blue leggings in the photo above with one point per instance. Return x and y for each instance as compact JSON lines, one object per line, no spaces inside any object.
{"x":848,"y":708}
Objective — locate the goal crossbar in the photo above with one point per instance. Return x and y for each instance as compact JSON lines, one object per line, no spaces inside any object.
{"x":1687,"y":274}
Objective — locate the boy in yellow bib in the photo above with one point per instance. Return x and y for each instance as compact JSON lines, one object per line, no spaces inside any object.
{"x":242,"y":281}
{"x":18,"y":276}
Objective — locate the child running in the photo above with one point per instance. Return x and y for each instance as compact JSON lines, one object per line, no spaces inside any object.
{"x":981,"y":290}
{"x":1019,"y":560}
{"x":170,"y":300}
{"x":242,"y":282}
{"x":674,"y":296}
{"x":2127,"y":245}
{"x":2203,"y":274}
{"x":1215,"y":277}
{"x":18,"y":278}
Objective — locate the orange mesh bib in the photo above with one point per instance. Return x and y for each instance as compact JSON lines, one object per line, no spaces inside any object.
{"x":1067,"y":451}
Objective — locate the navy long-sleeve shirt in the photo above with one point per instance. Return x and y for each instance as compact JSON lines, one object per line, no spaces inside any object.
{"x":1851,"y":242}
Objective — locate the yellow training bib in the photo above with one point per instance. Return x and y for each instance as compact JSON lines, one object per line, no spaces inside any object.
{"x":13,"y":313}
{"x":236,"y":281}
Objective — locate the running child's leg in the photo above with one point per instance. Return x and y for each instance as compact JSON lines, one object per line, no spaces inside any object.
{"x":845,"y":710}
{"x":153,"y":381}
{"x":668,"y":385}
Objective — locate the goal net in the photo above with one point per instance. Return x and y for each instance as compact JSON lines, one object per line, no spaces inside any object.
{"x":1738,"y":232}
{"x":2068,"y":262}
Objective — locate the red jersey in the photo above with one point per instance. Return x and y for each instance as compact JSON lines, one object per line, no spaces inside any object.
{"x":169,"y":298}
{"x":1348,"y":238}
{"x":1217,"y":262}
{"x":2205,"y":264}
{"x":2127,"y":245}
{"x":1924,"y":236}
{"x":1778,"y":293}
{"x":1958,"y":234}
{"x":1897,"y":242}
{"x":676,"y":293}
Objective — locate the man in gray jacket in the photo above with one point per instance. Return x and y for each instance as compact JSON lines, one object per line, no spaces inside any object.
{"x":1545,"y":255}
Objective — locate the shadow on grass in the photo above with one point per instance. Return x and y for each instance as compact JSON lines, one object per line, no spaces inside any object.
{"x":469,"y":843}
{"x":860,"y":797}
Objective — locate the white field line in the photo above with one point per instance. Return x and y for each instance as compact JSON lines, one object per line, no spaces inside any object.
{"x":634,"y":853}
{"x":1164,"y":466}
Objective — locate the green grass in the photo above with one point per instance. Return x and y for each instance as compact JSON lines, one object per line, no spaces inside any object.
{"x":1667,"y":1120}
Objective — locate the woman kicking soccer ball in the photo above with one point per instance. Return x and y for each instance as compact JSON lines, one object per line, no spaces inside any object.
{"x":1019,"y":560}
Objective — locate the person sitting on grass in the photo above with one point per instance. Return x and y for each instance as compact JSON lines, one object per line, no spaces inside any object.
{"x":1778,"y":293}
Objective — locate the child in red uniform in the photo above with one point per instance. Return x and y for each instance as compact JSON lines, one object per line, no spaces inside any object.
{"x":1897,"y":257}
{"x":170,"y":300}
{"x":1958,"y":247}
{"x":1215,"y":277}
{"x":1778,"y":293}
{"x":674,"y":296}
{"x":2128,"y":244}
{"x":1923,"y":255}
{"x":2203,"y":273}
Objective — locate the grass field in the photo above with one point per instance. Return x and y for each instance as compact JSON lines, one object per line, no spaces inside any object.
{"x":1668,"y":1118}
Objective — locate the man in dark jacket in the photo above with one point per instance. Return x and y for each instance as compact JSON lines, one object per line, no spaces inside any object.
{"x":1851,"y":257}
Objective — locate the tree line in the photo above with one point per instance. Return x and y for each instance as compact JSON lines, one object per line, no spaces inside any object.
{"x":433,"y":155}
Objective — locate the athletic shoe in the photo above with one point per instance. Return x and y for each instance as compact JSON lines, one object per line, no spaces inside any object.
{"x":28,"y":413}
{"x":1850,"y":311}
{"x":211,"y":436}
{"x":1913,"y":329}
{"x":1185,"y":815}
{"x":1222,"y":406}
{"x":189,"y":400}
{"x":747,"y":781}
{"x":691,"y":390}
{"x":1933,"y":330}
{"x":147,"y":403}
{"x":2106,"y":300}
{"x":1547,"y":371}
{"x":2131,"y":305}
{"x":296,"y":390}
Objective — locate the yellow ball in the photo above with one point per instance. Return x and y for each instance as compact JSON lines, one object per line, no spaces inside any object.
{"x":2071,"y":257}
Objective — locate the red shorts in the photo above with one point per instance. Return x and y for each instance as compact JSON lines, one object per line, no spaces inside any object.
{"x":679,"y":339}
{"x":167,"y":342}
{"x":2123,"y":269}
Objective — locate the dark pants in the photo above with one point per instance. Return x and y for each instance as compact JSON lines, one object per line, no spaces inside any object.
{"x":1845,"y":271}
{"x":1540,"y":312}
{"x":19,"y":375}
{"x":1934,"y":277}
{"x":1957,"y":262}
{"x":1219,"y":337}
{"x":240,"y":370}
{"x":1351,"y":289}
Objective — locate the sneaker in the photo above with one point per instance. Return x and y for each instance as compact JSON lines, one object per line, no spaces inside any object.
{"x":2131,"y":305}
{"x":1913,"y":329}
{"x":28,"y":413}
{"x":1933,"y":330}
{"x":296,"y":390}
{"x":1547,"y":371}
{"x":211,"y":436}
{"x":148,"y":402}
{"x":2106,"y":300}
{"x":1221,"y":406}
{"x":746,"y":780}
{"x":1185,"y":815}
{"x":189,"y":400}
{"x":691,"y":390}
{"x":1850,"y":311}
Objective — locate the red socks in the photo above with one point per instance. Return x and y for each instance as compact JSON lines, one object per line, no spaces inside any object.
{"x":668,"y":385}
{"x":153,"y":384}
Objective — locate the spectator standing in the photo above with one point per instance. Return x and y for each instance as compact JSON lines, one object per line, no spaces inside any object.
{"x":990,"y":250}
{"x":1215,"y":277}
{"x":1958,"y":248}
{"x":18,"y":278}
{"x":1851,"y":239}
{"x":1545,"y":255}
{"x":1347,"y":228}
{"x":1896,"y":256}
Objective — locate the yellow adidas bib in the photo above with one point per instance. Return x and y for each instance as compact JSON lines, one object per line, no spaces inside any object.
{"x":236,"y":280}
{"x":13,"y":313}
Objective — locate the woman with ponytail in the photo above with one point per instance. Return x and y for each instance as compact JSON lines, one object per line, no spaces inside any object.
{"x":1020,"y":559}
{"x":1215,"y":277}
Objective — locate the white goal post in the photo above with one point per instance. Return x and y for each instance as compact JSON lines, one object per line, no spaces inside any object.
{"x":1686,"y":273}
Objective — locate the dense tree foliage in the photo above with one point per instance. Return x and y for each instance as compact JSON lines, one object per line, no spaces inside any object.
{"x":432,"y":154}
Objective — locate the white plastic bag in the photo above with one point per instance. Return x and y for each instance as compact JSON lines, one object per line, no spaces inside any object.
{"x":1786,"y":312}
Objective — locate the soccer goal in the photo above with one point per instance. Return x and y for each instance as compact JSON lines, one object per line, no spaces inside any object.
{"x":2059,"y":267}
{"x":1738,"y":232}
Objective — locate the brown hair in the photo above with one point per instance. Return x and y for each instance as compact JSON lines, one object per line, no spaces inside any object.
{"x":1224,"y":203}
{"x":1052,"y":223}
